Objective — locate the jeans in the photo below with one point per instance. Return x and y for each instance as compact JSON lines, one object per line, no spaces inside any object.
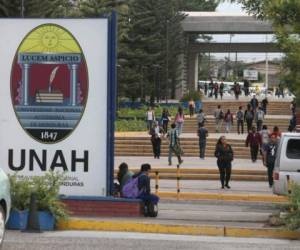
{"x":225,"y":172}
{"x":240,"y":126}
{"x":202,"y":146}
{"x":219,"y":123}
{"x":254,"y":152}
{"x":270,"y":174}
{"x":259,"y":125}
{"x":165,"y":125}
{"x":170,"y":156}
{"x":149,"y":198}
{"x":228,"y":127}
{"x":249,"y":125}
{"x":179,"y":126}
{"x":156,"y":142}
{"x":149,"y":124}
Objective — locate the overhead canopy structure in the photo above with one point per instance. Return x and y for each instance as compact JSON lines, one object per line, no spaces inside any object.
{"x":212,"y":23}
{"x":224,"y":23}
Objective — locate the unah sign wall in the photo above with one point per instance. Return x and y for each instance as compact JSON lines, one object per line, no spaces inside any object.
{"x":54,"y":100}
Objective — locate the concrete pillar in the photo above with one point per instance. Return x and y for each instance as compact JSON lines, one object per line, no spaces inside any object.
{"x":73,"y":84}
{"x":192,"y":71}
{"x":25,"y":84}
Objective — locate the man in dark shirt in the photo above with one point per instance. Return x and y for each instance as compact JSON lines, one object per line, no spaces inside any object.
{"x":270,"y":157}
{"x":264,"y":104}
{"x":254,"y":103}
{"x":202,"y":134}
{"x":254,"y":140}
{"x":149,"y":199}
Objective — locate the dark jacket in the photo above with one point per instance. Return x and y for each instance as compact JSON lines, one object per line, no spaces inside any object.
{"x":224,"y":154}
{"x":143,"y":183}
{"x":253,"y":139}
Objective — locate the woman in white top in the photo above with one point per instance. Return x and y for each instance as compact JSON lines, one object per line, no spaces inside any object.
{"x":150,"y":118}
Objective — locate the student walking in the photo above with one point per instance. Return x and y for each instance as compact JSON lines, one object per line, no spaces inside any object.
{"x":270,"y":156}
{"x":237,"y":90}
{"x":240,"y":120}
{"x":156,"y":133}
{"x":201,"y":118}
{"x":221,"y":90}
{"x":219,"y":117}
{"x":174,"y":145}
{"x":254,"y":140}
{"x":248,"y":117}
{"x":228,"y":121}
{"x":254,"y":103}
{"x":150,"y":118}
{"x":264,"y":105}
{"x":259,"y":118}
{"x":216,"y":90}
{"x":202,"y":134}
{"x":205,"y":88}
{"x":192,"y":107}
{"x":179,"y":120}
{"x":165,"y":118}
{"x":224,"y":155}
{"x":265,"y":139}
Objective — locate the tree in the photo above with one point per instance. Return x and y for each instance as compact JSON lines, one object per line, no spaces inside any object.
{"x":34,"y":8}
{"x":285,"y":16}
{"x":199,"y":5}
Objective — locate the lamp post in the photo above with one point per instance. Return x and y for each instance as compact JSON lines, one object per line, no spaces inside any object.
{"x":22,"y":8}
{"x":167,"y":60}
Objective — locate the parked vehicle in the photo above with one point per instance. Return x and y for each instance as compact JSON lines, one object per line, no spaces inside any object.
{"x":287,"y":164}
{"x":5,"y":203}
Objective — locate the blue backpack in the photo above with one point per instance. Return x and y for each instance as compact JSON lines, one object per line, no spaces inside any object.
{"x":131,"y":189}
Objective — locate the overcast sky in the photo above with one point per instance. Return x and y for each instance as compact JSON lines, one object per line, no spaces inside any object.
{"x":237,"y":8}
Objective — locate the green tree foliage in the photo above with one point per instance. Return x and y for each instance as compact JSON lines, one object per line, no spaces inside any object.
{"x":285,"y":16}
{"x":34,"y":8}
{"x":199,"y":5}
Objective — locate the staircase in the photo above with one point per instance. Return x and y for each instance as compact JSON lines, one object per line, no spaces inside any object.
{"x":141,"y":146}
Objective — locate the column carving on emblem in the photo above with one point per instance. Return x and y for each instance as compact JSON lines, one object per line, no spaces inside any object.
{"x":73,"y":82}
{"x":25,"y":83}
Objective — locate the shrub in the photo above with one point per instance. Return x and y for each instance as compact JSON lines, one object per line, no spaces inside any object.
{"x":195,"y":95}
{"x":292,"y":219}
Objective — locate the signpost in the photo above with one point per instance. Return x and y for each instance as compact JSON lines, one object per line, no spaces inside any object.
{"x":251,"y":75}
{"x":57,"y":100}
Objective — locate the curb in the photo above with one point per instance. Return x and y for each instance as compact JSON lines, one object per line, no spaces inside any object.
{"x":225,"y":197}
{"x":127,"y":226}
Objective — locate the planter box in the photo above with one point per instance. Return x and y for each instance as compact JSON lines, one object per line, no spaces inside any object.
{"x":18,"y":220}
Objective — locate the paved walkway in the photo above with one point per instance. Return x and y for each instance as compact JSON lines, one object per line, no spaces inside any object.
{"x":189,"y":162}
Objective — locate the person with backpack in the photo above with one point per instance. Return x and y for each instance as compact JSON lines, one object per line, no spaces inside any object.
{"x":254,"y":140}
{"x":156,"y":133}
{"x":201,"y":118}
{"x":139,"y":187}
{"x":179,"y":120}
{"x":228,"y":120}
{"x":174,"y":145}
{"x":248,"y":117}
{"x":240,"y":120}
{"x":259,"y":118}
{"x":202,"y":134}
{"x":254,"y":103}
{"x":219,"y":117}
{"x":270,"y":157}
{"x":224,"y":155}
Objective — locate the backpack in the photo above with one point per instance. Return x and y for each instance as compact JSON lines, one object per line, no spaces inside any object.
{"x":131,"y":189}
{"x":221,"y":115}
{"x":260,"y":115}
{"x":249,"y":115}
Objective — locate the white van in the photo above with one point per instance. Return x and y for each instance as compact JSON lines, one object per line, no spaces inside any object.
{"x":287,"y":164}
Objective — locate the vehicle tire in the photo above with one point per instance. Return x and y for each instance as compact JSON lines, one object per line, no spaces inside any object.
{"x":2,"y":226}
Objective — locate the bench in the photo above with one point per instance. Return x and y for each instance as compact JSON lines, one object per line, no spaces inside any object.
{"x":103,"y":206}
